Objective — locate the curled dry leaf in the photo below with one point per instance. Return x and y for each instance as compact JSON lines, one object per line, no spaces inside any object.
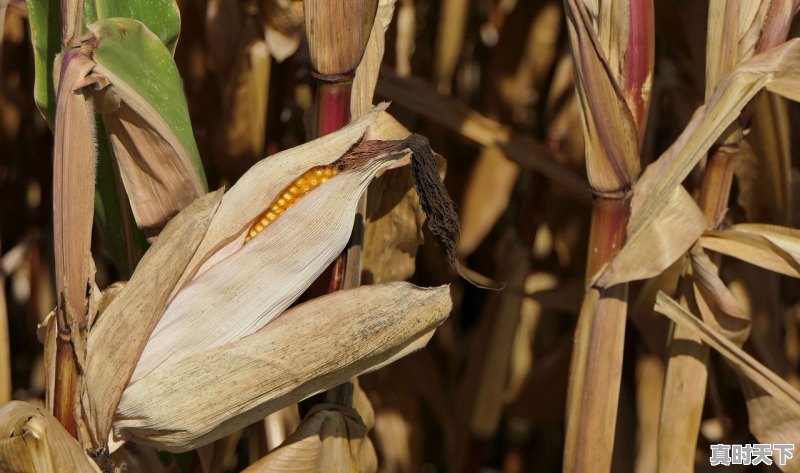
{"x":32,"y":440}
{"x":330,"y":439}
{"x":769,"y":246}
{"x":718,"y":306}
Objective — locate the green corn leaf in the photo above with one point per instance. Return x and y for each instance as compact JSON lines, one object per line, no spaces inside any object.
{"x":162,"y":17}
{"x":44,"y":17}
{"x":137,"y":63}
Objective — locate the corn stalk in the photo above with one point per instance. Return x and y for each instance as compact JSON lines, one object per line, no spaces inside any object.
{"x":614,"y":62}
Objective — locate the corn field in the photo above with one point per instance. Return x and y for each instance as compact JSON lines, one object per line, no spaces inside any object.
{"x":399,"y":236}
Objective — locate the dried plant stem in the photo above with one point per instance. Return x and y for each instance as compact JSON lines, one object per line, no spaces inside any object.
{"x":717,"y":180}
{"x":66,"y":382}
{"x":5,"y":355}
{"x":687,"y":371}
{"x":596,"y":367}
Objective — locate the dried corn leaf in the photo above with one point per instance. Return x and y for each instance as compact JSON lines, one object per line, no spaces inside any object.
{"x":653,"y":249}
{"x":310,"y":348}
{"x":150,"y":131}
{"x":223,"y":28}
{"x":763,"y":169}
{"x":768,"y":246}
{"x":134,"y":312}
{"x":422,"y":99}
{"x":486,"y":197}
{"x":369,"y":67}
{"x":240,"y":142}
{"x":393,"y":218}
{"x":773,"y":404}
{"x":328,"y":440}
{"x":453,"y":19}
{"x":655,"y":199}
{"x":284,"y":29}
{"x":32,"y":441}
{"x":73,"y":189}
{"x":717,"y":305}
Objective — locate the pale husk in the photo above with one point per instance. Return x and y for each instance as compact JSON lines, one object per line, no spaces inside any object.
{"x":308,"y":349}
{"x":130,"y":318}
{"x":259,"y":280}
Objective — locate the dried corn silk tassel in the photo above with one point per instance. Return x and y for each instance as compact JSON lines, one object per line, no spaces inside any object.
{"x":436,"y":202}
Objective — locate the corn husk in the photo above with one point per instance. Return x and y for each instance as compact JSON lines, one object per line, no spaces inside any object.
{"x":315,"y":346}
{"x":328,"y":440}
{"x":34,"y":442}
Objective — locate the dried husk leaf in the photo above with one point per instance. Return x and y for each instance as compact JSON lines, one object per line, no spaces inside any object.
{"x":328,"y":440}
{"x":150,"y":132}
{"x":73,"y":186}
{"x":32,"y":441}
{"x":393,"y":217}
{"x":650,"y":251}
{"x":717,"y":305}
{"x":263,"y":182}
{"x":367,"y":71}
{"x":773,"y":404}
{"x":259,"y":280}
{"x":310,"y":348}
{"x":769,"y":246}
{"x":135,"y":311}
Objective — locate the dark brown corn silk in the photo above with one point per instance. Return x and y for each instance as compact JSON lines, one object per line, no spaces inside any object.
{"x":433,"y":197}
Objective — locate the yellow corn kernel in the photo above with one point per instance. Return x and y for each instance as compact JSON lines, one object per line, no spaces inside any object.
{"x":304,"y":184}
